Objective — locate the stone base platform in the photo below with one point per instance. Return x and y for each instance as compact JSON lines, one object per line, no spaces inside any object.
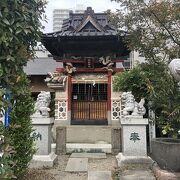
{"x":40,"y":161}
{"x":123,"y":160}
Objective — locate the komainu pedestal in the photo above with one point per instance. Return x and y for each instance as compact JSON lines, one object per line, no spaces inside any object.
{"x":43,"y":138}
{"x":134,"y":146}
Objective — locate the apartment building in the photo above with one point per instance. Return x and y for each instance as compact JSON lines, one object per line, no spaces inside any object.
{"x":60,"y":14}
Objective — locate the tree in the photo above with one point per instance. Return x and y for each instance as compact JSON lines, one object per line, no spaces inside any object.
{"x":134,"y":81}
{"x":20,"y":29}
{"x":152,"y":27}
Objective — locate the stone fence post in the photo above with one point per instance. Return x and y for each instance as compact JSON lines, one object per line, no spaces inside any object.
{"x":116,"y":140}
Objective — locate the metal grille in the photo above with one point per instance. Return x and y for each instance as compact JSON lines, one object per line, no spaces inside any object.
{"x":89,"y":92}
{"x":89,"y":102}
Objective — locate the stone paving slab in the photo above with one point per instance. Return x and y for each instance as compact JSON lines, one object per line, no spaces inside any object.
{"x":89,"y":155}
{"x":77,"y":165}
{"x":137,"y":175}
{"x":99,"y":175}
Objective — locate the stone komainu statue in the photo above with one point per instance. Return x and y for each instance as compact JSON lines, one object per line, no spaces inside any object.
{"x":42,"y":104}
{"x":131,"y":106}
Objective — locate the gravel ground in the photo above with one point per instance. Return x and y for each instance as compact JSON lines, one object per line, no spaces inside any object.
{"x":58,"y":172}
{"x":120,"y":170}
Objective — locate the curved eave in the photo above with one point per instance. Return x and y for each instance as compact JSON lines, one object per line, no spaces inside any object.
{"x":59,"y":45}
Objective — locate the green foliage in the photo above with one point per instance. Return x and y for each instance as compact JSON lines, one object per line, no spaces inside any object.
{"x":158,"y":87}
{"x":20,"y":30}
{"x":20,"y":128}
{"x":133,"y":80}
{"x":6,"y":151}
{"x":151,"y":26}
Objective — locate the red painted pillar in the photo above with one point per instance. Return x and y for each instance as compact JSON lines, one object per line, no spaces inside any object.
{"x":69,"y":92}
{"x":109,"y":90}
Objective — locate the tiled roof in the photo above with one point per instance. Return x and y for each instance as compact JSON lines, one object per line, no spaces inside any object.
{"x":87,"y":24}
{"x":88,"y":34}
{"x":41,"y":66}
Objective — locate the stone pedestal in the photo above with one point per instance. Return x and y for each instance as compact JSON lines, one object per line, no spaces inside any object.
{"x":43,"y":139}
{"x":134,"y":146}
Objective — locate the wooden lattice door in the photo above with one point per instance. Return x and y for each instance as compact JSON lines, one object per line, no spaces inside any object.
{"x":89,"y":104}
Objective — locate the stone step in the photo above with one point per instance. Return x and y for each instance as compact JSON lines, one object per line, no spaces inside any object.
{"x":77,"y":165}
{"x":89,"y":155}
{"x":99,"y":175}
{"x":88,"y":148}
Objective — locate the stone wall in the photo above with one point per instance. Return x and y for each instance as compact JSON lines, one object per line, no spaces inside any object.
{"x":165,"y":151}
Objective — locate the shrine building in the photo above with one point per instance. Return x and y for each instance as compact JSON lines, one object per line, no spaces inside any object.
{"x":91,"y":51}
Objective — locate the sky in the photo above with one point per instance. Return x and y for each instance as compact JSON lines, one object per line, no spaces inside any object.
{"x":97,"y":5}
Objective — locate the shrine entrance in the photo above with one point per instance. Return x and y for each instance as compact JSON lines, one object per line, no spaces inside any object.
{"x":89,"y":104}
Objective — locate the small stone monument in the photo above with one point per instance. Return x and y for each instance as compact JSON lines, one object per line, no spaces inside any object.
{"x":42,"y":125}
{"x":134,"y":146}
